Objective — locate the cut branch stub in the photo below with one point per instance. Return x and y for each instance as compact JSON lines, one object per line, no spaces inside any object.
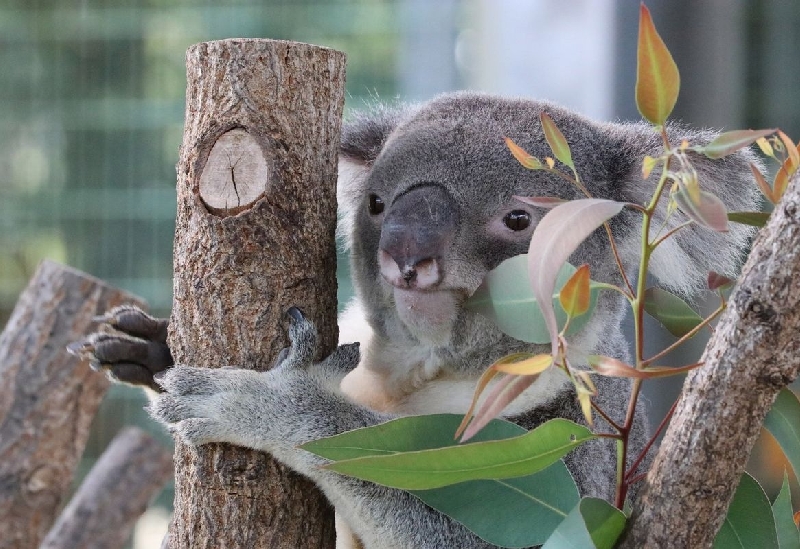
{"x":235,"y":174}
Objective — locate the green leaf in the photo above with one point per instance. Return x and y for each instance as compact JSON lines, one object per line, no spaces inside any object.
{"x":754,"y":219}
{"x":749,"y":522}
{"x":788,"y":535}
{"x":405,"y":434}
{"x":677,"y":317}
{"x":730,"y":142}
{"x":433,"y":468}
{"x":783,"y":422}
{"x":592,"y":523}
{"x":556,"y":140}
{"x":657,"y":77}
{"x":492,"y":508}
{"x":505,"y":297}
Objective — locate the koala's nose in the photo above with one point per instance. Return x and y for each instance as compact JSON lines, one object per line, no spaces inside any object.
{"x":417,"y":231}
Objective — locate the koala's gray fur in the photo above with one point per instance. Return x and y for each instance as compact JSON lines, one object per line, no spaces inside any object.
{"x":421,"y":352}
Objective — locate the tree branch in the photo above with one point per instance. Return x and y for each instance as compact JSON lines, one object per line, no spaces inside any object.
{"x":753,"y":353}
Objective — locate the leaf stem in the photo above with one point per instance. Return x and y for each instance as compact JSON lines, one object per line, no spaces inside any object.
{"x":672,"y":231}
{"x":602,"y":414}
{"x":686,"y":337}
{"x":646,"y":449}
{"x":617,"y":258}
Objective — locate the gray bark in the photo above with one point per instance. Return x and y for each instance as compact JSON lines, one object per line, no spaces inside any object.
{"x":48,"y":398}
{"x":254,"y":236}
{"x":753,"y":354}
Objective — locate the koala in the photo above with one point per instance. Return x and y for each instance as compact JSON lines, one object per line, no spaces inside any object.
{"x":427,"y":209}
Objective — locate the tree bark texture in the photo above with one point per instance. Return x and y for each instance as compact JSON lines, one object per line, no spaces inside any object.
{"x":48,"y":398}
{"x":115,"y":493}
{"x":753,"y":353}
{"x":254,"y":236}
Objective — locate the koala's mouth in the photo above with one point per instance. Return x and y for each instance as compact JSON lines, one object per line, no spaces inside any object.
{"x":430,"y":314}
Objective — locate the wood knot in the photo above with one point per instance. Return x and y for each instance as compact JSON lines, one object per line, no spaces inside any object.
{"x":763,"y":312}
{"x":235,"y":174}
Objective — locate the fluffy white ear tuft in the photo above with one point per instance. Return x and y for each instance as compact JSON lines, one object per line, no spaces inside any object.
{"x":349,"y":195}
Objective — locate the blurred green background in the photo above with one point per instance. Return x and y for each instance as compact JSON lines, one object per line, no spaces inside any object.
{"x":92,"y":100}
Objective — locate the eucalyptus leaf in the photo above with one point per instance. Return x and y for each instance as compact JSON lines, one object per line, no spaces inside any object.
{"x":783,"y":423}
{"x":657,"y":77}
{"x":490,"y":508}
{"x":592,"y":523}
{"x":749,"y":522}
{"x":788,"y":535}
{"x":674,"y":313}
{"x":433,"y":467}
{"x":754,"y":219}
{"x":505,"y":297}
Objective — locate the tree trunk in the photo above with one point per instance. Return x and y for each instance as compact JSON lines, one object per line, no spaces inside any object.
{"x":753,"y":353}
{"x":254,"y":236}
{"x":48,"y":398}
{"x":115,"y":493}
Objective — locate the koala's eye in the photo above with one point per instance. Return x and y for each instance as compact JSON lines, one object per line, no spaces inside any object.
{"x":517,"y":220}
{"x":375,"y":204}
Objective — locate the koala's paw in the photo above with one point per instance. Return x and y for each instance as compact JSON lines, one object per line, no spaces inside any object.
{"x":200,"y":404}
{"x":303,"y":342}
{"x":130,"y":346}
{"x":303,"y":338}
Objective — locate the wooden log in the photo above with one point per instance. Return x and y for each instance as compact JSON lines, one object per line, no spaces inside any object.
{"x":254,"y":236}
{"x":48,"y":398}
{"x":115,"y":493}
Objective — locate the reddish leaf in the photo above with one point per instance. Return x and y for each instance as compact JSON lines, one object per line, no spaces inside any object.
{"x":522,"y":156}
{"x":487,"y":376}
{"x":657,"y":77}
{"x":541,"y":201}
{"x":612,"y":367}
{"x":558,"y":144}
{"x":709,"y":211}
{"x":557,"y":235}
{"x":484,"y":380}
{"x":506,"y":390}
{"x":730,"y":142}
{"x":791,"y":150}
{"x":781,"y":182}
{"x":575,"y":295}
{"x":716,"y":281}
{"x":766,"y":190}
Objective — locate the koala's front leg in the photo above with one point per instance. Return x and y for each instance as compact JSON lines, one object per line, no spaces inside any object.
{"x":274,"y":411}
{"x":294,"y":403}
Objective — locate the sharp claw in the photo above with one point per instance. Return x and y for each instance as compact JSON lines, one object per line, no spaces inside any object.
{"x":105,"y":317}
{"x":295,"y":314}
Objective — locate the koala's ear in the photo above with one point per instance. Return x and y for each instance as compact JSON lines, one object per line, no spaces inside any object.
{"x":683,"y":261}
{"x":364,"y":135}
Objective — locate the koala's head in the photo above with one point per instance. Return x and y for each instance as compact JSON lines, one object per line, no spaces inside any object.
{"x":427,"y":200}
